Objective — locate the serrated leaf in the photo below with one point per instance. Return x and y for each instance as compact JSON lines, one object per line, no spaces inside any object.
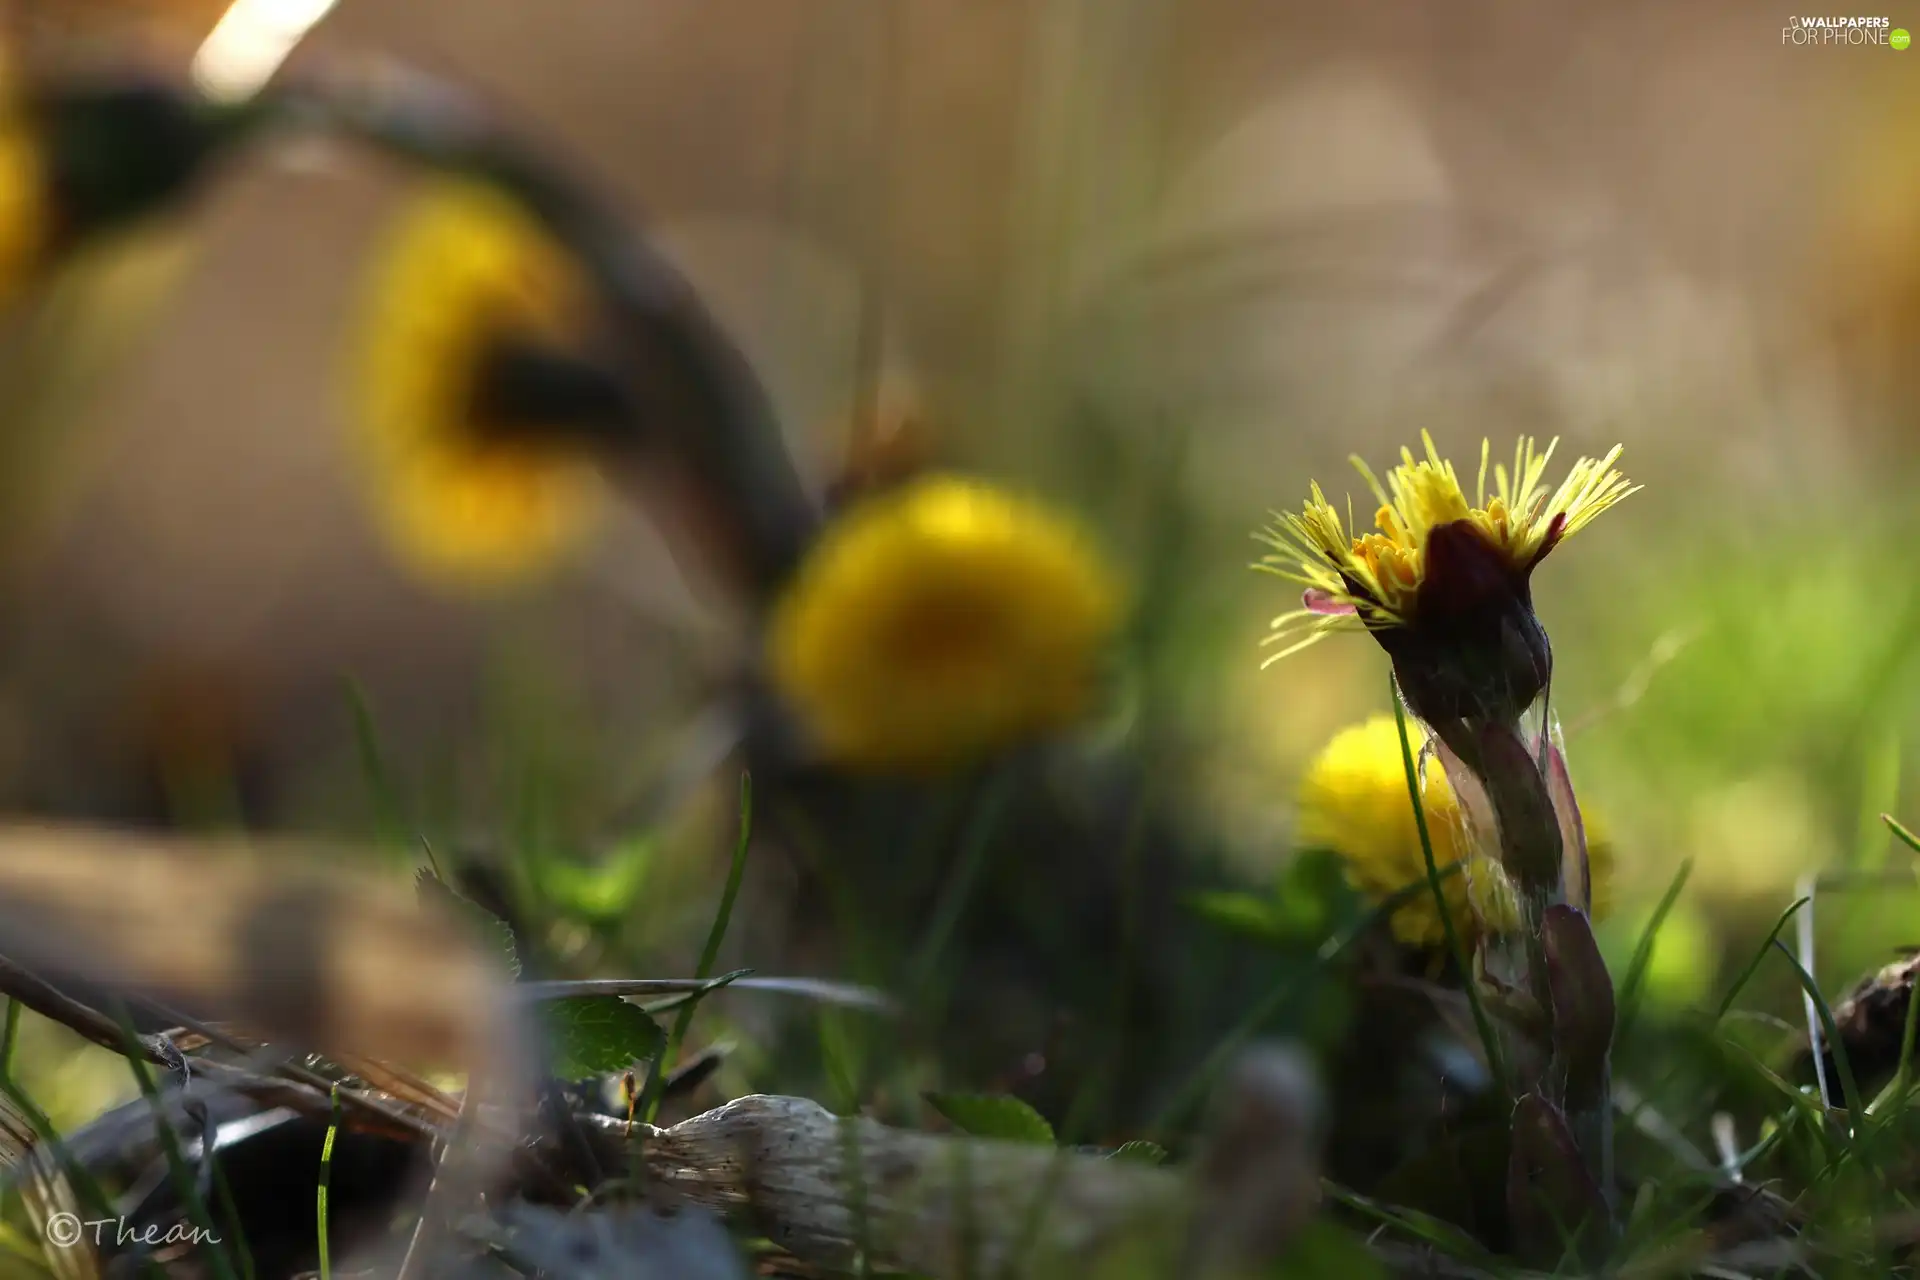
{"x":493,"y":932}
{"x":1140,"y":1150}
{"x":595,"y":1035}
{"x":993,"y":1115}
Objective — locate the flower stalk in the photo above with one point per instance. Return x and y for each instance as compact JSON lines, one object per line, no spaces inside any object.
{"x":1444,"y":587}
{"x":1545,"y":978}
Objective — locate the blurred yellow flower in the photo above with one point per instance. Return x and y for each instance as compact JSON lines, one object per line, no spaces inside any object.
{"x":941,"y":620}
{"x":465,"y":501}
{"x":1354,"y":802}
{"x":1389,"y":579}
{"x":26,"y":218}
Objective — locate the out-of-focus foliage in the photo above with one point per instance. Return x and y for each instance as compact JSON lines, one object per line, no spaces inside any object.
{"x":1160,"y":264}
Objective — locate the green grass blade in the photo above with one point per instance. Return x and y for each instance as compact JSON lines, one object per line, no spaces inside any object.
{"x":1907,"y":837}
{"x":1443,"y":1237}
{"x":709,"y":952}
{"x":1033,"y":1219}
{"x":852,"y":1155}
{"x":1904,"y":1075}
{"x":1879,"y":792}
{"x":1489,"y":1041}
{"x":1796,"y":1101}
{"x":1892,"y":1100}
{"x":10,"y":1037}
{"x":1753,"y":965}
{"x":957,"y":892}
{"x":24,"y":1255}
{"x":1811,"y":999}
{"x":223,"y":1191}
{"x":1643,"y":951}
{"x":183,"y":1180}
{"x":1187,"y":1097}
{"x":326,"y":1180}
{"x":389,"y":820}
{"x":1849,"y":1090}
{"x":86,"y":1187}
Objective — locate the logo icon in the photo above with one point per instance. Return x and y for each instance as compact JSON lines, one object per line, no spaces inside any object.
{"x":1899,"y":38}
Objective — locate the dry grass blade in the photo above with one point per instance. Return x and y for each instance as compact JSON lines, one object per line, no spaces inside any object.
{"x":17,"y":1137}
{"x":44,"y":1191}
{"x":48,"y":1197}
{"x":404,"y":1085}
{"x":826,"y":991}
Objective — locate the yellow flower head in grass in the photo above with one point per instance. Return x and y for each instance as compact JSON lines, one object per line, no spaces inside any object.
{"x":1443,"y":584}
{"x":469,"y":494}
{"x":938,"y":621}
{"x":1354,"y":801}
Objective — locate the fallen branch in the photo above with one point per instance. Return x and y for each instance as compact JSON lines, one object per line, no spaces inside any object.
{"x":829,"y":1189}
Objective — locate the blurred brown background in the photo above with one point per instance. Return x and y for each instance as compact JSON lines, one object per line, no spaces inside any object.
{"x":1290,"y":231}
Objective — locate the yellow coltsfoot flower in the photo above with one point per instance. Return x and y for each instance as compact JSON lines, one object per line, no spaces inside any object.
{"x":1442,"y":584}
{"x":80,"y":162}
{"x":1354,"y":802}
{"x":482,"y":421}
{"x":24,"y":213}
{"x":939,"y":621}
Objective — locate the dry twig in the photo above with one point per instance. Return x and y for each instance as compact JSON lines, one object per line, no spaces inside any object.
{"x":828,"y":1188}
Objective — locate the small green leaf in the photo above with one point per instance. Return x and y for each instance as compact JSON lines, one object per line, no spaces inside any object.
{"x":601,"y":892}
{"x":1242,"y":913}
{"x":594,"y":1035}
{"x":493,"y":932}
{"x":1312,"y":897}
{"x":1321,"y":1249}
{"x":1310,"y":900}
{"x":373,"y":765}
{"x":993,"y":1115}
{"x":1142,"y":1151}
{"x":1435,"y":1233}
